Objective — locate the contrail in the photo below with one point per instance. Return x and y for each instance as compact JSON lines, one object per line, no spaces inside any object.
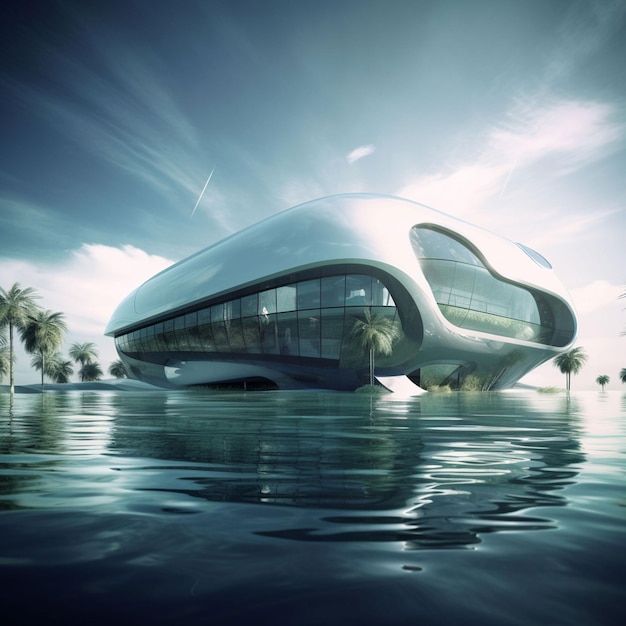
{"x":202,"y":192}
{"x":506,"y":182}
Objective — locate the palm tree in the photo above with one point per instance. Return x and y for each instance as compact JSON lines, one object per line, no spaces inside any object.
{"x":89,"y":372}
{"x":83,"y":354}
{"x":376,"y":334}
{"x":570,"y":363}
{"x":42,"y":335}
{"x":4,"y":355}
{"x":118,"y":369}
{"x":622,"y":375}
{"x":602,"y":380}
{"x":56,"y":367}
{"x":4,"y":361}
{"x":16,"y":305}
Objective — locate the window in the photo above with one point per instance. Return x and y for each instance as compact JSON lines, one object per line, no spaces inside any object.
{"x":308,"y":294}
{"x":267,"y":302}
{"x":358,"y":290}
{"x":304,"y":318}
{"x":470,"y":297}
{"x":309,"y":332}
{"x":286,"y":298}
{"x":333,"y":291}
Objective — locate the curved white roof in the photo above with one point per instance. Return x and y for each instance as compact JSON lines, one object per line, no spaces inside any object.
{"x":350,"y":228}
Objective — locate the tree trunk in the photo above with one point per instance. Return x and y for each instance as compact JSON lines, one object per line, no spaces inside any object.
{"x":11,"y":385}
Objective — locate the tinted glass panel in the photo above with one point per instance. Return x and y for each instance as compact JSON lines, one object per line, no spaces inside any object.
{"x":331,"y":332}
{"x":269,"y":334}
{"x":181,"y":333}
{"x":205,"y":332}
{"x":288,"y":333}
{"x":286,"y":298}
{"x":234,"y":331}
{"x":309,"y":294}
{"x":333,"y":291}
{"x":233,"y":309}
{"x":217,"y":313}
{"x":268,"y":321}
{"x":249,"y":306}
{"x":431,"y":244}
{"x":358,"y":290}
{"x":380,"y":294}
{"x":251,"y":334}
{"x":219,"y":337}
{"x":309,"y":332}
{"x":469,"y":296}
{"x":267,"y":302}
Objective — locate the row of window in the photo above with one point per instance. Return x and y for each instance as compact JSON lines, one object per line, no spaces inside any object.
{"x":311,"y":318}
{"x":469,"y":296}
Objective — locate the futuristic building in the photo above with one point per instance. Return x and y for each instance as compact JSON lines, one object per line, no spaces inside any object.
{"x":280,"y":301}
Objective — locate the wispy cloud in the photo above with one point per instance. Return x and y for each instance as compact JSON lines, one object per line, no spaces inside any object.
{"x":112,"y":102}
{"x":86,"y":287}
{"x":596,"y":295}
{"x":560,"y":135}
{"x":574,"y":131}
{"x":571,"y":133}
{"x":88,"y":283}
{"x":360,"y":153}
{"x":585,"y":28}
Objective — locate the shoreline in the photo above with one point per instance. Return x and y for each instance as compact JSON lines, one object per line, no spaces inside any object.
{"x":121,"y":384}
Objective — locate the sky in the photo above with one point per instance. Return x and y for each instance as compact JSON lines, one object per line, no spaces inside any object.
{"x":508,"y":114}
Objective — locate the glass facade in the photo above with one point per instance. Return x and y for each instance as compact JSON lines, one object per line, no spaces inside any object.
{"x":310,"y":318}
{"x":471,"y":297}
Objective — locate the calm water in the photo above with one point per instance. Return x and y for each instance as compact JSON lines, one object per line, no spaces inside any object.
{"x":314,"y":508}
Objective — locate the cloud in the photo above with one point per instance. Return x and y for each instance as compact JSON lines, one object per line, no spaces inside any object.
{"x":86,"y":287}
{"x":359,"y":153}
{"x":595,"y":296}
{"x":577,"y":132}
{"x":113,"y":102}
{"x":572,"y":133}
{"x":586,"y":27}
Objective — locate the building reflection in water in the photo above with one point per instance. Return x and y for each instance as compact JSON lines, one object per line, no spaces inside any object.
{"x":437,"y":471}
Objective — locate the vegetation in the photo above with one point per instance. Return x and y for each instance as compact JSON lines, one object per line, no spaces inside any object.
{"x":59,"y":369}
{"x":90,"y":372}
{"x":440,"y":389}
{"x":16,"y":305}
{"x":41,"y":332}
{"x":492,"y":323}
{"x":603,"y":380}
{"x":83,"y":353}
{"x":570,"y":363}
{"x":376,"y":390}
{"x":117,"y":369}
{"x":376,"y":334}
{"x":4,"y":361}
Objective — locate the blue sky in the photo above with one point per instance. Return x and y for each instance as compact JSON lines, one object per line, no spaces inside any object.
{"x":508,"y":114}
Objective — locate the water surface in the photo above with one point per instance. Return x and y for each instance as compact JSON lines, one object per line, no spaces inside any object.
{"x":313,"y":508}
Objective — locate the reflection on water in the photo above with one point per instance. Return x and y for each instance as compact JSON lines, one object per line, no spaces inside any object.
{"x":437,"y":471}
{"x":305,"y":508}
